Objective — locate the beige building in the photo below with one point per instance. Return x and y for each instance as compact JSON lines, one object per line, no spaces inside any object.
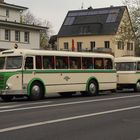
{"x":12,"y":31}
{"x":94,"y":29}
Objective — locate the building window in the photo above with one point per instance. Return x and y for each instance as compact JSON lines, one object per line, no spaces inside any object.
{"x":66,"y":45}
{"x":107,"y":44}
{"x":7,"y":12}
{"x":130,"y":46}
{"x":26,"y":37}
{"x":92,"y":45}
{"x":17,"y":36}
{"x":120,"y":45}
{"x":7,"y":35}
{"x":79,"y":46}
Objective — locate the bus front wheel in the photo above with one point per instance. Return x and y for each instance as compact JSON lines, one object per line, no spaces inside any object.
{"x":36,"y":91}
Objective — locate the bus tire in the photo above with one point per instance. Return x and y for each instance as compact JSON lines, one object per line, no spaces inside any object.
{"x":7,"y":98}
{"x":36,"y":91}
{"x":137,"y":87}
{"x":92,"y":89}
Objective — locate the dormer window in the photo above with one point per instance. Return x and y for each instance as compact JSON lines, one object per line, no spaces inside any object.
{"x":7,"y":12}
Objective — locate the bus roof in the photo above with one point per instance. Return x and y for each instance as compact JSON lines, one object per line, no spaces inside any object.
{"x":127,"y":59}
{"x":55,"y":53}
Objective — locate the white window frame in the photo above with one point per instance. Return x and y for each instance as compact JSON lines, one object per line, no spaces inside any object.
{"x":7,"y":35}
{"x":17,"y":36}
{"x":27,"y":37}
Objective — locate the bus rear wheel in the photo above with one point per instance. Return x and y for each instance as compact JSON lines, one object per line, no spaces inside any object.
{"x":36,"y":91}
{"x":7,"y":98}
{"x":92,"y":88}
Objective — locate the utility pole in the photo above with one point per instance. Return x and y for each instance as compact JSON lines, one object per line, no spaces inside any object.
{"x":82,"y":6}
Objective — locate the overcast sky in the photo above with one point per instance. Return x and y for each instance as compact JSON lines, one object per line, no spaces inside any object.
{"x":55,"y":11}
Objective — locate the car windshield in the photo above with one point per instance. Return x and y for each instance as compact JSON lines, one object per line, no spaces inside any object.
{"x":2,"y":62}
{"x":13,"y":62}
{"x":126,"y":66}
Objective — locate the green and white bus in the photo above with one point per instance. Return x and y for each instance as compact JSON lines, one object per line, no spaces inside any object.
{"x":128,"y":72}
{"x":36,"y":73}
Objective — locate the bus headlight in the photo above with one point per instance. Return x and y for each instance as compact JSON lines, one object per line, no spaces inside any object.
{"x":7,"y":86}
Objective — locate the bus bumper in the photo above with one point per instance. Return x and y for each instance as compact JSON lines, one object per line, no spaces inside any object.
{"x":13,"y":92}
{"x":123,"y":86}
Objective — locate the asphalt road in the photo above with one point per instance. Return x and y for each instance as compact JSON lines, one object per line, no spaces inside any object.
{"x":104,"y":117}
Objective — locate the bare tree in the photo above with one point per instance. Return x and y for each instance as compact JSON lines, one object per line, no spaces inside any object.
{"x":126,"y":32}
{"x":134,"y":10}
{"x":45,"y":34}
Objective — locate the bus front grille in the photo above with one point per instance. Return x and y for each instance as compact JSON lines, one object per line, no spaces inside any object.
{"x":2,"y":82}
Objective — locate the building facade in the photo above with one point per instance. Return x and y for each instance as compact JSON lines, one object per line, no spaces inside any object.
{"x":12,"y":31}
{"x":95,"y":29}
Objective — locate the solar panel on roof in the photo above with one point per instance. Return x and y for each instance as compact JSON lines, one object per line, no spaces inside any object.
{"x":83,"y":13}
{"x":114,"y":11}
{"x":103,"y":12}
{"x":80,"y":13}
{"x":73,"y":14}
{"x":111,"y":18}
{"x":93,"y":12}
{"x":69,"y":20}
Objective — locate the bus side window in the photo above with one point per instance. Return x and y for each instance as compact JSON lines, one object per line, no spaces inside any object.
{"x":98,"y":63}
{"x":61,"y":62}
{"x":29,"y":63}
{"x":138,"y":66}
{"x":38,"y":62}
{"x":108,"y":63}
{"x":48,"y":62}
{"x":87,"y":63}
{"x":75,"y":62}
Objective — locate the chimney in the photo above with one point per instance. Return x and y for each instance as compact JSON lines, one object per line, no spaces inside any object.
{"x":90,"y":8}
{"x":1,"y":1}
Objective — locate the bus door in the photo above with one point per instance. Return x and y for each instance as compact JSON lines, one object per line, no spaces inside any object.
{"x":27,"y":70}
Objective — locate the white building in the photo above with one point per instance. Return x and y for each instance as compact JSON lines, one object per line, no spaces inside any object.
{"x":12,"y":31}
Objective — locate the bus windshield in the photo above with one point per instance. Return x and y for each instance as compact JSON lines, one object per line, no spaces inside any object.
{"x":11,"y":62}
{"x":126,"y":66}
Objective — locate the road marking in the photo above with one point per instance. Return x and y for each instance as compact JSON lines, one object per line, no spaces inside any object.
{"x":4,"y":107}
{"x":19,"y":105}
{"x":69,"y":103}
{"x":66,"y":119}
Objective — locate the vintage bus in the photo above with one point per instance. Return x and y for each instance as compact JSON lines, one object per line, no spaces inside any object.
{"x":128,"y":72}
{"x":35,"y":73}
